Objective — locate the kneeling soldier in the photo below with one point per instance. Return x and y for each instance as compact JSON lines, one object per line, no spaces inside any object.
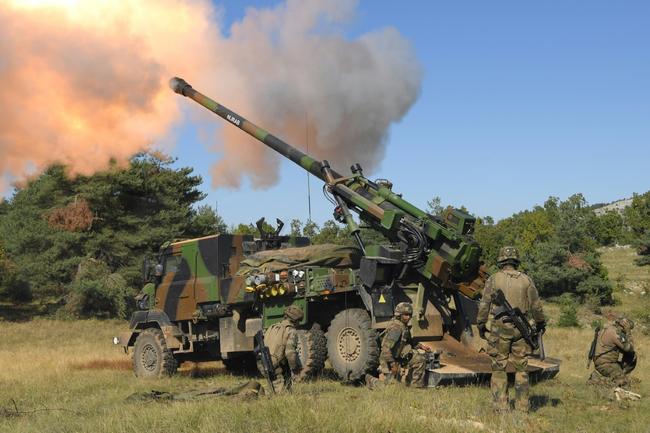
{"x":282,"y":341}
{"x":614,"y":356}
{"x":399,"y":350}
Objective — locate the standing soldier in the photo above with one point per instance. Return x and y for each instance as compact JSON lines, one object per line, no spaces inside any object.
{"x":614,"y":356}
{"x":282,"y":341}
{"x":399,"y":350}
{"x":505,"y":341}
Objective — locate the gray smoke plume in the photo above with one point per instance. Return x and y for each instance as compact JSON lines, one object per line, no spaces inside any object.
{"x":296,"y":72}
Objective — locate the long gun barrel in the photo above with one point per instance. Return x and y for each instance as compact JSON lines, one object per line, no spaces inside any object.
{"x":181,"y":87}
{"x":440,"y":249}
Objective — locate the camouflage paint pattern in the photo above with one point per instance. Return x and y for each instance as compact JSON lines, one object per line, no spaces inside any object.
{"x":201,"y":271}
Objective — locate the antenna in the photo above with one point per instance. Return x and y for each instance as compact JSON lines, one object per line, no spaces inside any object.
{"x":308,"y":184}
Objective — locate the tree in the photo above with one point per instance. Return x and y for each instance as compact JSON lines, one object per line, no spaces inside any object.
{"x":637,"y":217}
{"x":607,"y":229}
{"x":434,"y":206}
{"x":310,"y":229}
{"x":44,"y":256}
{"x":244,"y":229}
{"x":557,"y":248}
{"x":331,"y":233}
{"x":205,"y":221}
{"x":137,"y":209}
{"x":132,"y":211}
{"x":296,"y":227}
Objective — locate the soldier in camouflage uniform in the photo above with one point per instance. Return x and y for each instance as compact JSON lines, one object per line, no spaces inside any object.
{"x":282,"y":341}
{"x":614,"y":357}
{"x":399,"y":350}
{"x":505,"y":341}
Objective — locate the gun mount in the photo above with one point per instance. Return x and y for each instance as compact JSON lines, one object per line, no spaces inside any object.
{"x":440,"y":250}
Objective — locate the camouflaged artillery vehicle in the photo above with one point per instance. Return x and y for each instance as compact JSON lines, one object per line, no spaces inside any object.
{"x":213,"y":294}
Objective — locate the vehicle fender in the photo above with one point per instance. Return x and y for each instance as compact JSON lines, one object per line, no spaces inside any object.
{"x":141,"y":320}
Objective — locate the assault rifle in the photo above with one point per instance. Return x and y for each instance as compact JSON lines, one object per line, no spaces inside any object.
{"x":265,"y":356}
{"x":592,"y":349}
{"x":517,"y":318}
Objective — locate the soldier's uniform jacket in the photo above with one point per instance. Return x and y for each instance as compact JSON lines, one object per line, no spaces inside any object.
{"x":282,"y":341}
{"x":519,"y":290}
{"x":396,"y":341}
{"x":611,"y":341}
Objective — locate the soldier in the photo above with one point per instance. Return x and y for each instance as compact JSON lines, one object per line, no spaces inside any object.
{"x":614,"y":356}
{"x":399,"y":350}
{"x":282,"y":341}
{"x":505,"y":341}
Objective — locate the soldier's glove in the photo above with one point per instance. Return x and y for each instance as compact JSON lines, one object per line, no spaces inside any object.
{"x":394,"y":369}
{"x":541,"y":327}
{"x":482,"y":329}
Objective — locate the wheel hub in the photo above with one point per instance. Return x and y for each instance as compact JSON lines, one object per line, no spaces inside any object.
{"x":149,"y":357}
{"x":349,"y":344}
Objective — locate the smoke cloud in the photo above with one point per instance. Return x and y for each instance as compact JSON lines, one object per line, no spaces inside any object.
{"x":85,"y":82}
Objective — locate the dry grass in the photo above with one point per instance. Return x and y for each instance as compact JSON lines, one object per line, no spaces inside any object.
{"x":68,"y":377}
{"x":619,"y":262}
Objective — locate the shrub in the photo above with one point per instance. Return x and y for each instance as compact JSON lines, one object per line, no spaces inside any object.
{"x":568,"y":312}
{"x":96,"y":292}
{"x":595,"y":290}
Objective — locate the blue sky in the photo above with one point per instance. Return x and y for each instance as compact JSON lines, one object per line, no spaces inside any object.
{"x":520,"y":101}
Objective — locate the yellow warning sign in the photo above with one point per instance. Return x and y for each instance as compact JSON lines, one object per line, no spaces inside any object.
{"x":382,"y":300}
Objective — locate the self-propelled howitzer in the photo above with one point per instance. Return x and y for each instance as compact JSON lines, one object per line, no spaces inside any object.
{"x":210,"y":295}
{"x":440,"y":249}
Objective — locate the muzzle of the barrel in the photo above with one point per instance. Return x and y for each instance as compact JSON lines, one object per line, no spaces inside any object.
{"x":179,"y":85}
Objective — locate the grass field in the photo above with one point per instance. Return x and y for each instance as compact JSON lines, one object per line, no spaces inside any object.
{"x":67,"y":377}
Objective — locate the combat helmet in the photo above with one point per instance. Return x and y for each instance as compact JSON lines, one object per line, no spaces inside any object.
{"x":294,"y":313}
{"x":403,"y":308}
{"x":624,"y":322}
{"x":508,"y":255}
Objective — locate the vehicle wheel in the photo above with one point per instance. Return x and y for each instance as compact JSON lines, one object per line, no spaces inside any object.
{"x":151,"y":358}
{"x":312,"y":351}
{"x":352,"y":344}
{"x":243,"y":364}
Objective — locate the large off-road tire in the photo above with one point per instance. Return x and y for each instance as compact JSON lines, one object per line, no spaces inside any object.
{"x":312,"y":351}
{"x":352,"y":345}
{"x":151,"y":358}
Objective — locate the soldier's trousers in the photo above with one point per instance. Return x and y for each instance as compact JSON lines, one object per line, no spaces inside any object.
{"x":618,"y":372}
{"x":283,"y":381}
{"x":415,"y":365}
{"x":506,"y":345}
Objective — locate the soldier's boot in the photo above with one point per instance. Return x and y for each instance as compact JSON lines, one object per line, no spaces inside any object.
{"x":372,"y":382}
{"x":522,"y":386}
{"x":622,"y":381}
{"x":499,"y":389}
{"x":389,"y":378}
